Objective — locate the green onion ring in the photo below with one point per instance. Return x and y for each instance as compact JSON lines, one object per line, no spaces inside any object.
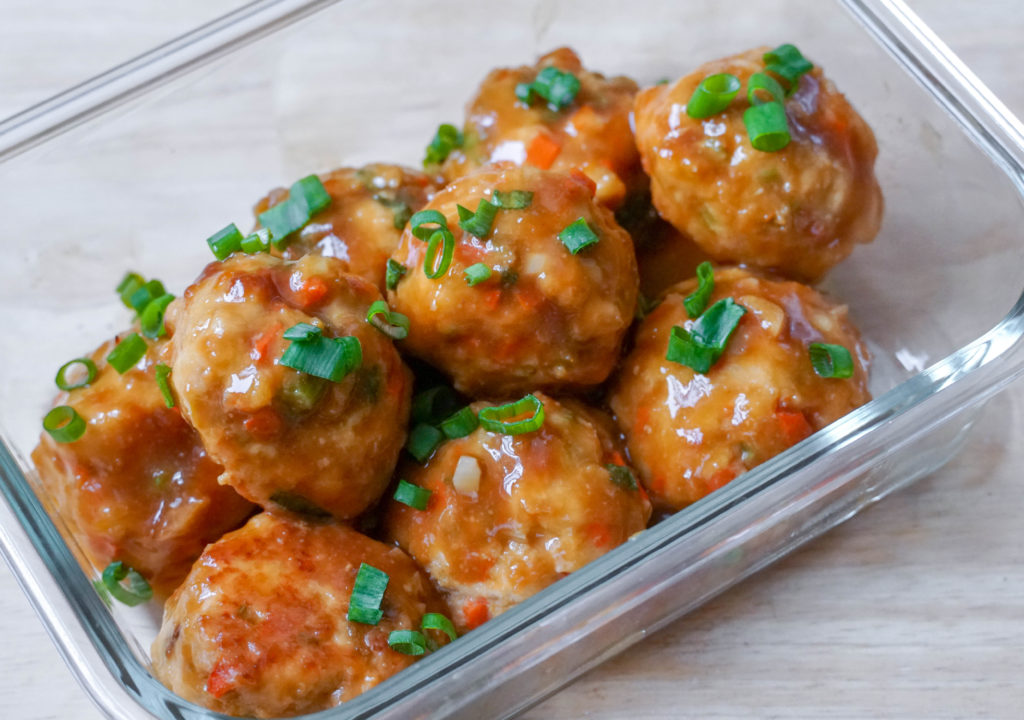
{"x":64,"y":424}
{"x":446,"y":241}
{"x":90,"y":374}
{"x":498,"y":419}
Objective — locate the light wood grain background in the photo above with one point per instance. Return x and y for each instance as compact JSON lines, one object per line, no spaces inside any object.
{"x":914,"y":609}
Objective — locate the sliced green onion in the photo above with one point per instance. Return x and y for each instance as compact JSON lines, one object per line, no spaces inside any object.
{"x":557,"y":87}
{"x":423,"y":441}
{"x":303,"y":332}
{"x":414,"y":496}
{"x":163,"y":381}
{"x":698,"y":299}
{"x":432,"y":267}
{"x":479,"y":223}
{"x":578,"y":235}
{"x":301,"y":392}
{"x":831,"y":361}
{"x":256,"y":242}
{"x":145,"y":294}
{"x":446,"y":139}
{"x":426,"y":222}
{"x":407,"y":642}
{"x":394,"y":273}
{"x":283,"y":220}
{"x":102,"y":591}
{"x":437,"y":621}
{"x":129,"y":284}
{"x":622,"y":476}
{"x":393,"y":324}
{"x":296,"y":503}
{"x":434,"y":405}
{"x":701,"y":346}
{"x":767,"y":126}
{"x":788,"y":63}
{"x":367,"y":595}
{"x":90,"y":374}
{"x":460,"y":423}
{"x":311,"y":194}
{"x":765,"y":84}
{"x":476,"y":273}
{"x":127,"y":353}
{"x":503,"y":418}
{"x":225,"y":241}
{"x":712,"y":95}
{"x":644,"y":306}
{"x":512,"y":200}
{"x":64,"y":424}
{"x":138,"y":590}
{"x":400,"y":211}
{"x":151,"y":320}
{"x":328,"y":358}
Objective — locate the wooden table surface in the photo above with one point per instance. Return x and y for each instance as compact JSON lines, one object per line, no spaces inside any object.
{"x":914,"y":609}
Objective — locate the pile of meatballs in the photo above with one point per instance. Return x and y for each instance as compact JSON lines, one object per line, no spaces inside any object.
{"x":252,"y":495}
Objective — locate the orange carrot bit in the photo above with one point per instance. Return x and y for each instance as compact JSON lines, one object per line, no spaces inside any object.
{"x":543,"y":150}
{"x":264,"y":424}
{"x":617,"y":458}
{"x":222,"y":679}
{"x":643,"y":416}
{"x":492,"y":298}
{"x":584,"y":180}
{"x":794,"y":425}
{"x":600,"y":534}
{"x":476,"y":612}
{"x":262,"y":342}
{"x":720,"y":478}
{"x":312,"y":292}
{"x":529,"y":297}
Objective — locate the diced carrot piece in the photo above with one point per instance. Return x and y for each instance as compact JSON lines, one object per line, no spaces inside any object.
{"x":543,"y":151}
{"x":264,"y":424}
{"x":643,"y":416}
{"x":617,"y":458}
{"x":720,"y":478}
{"x":262,"y":342}
{"x":599,"y":534}
{"x":312,"y":292}
{"x":584,"y":179}
{"x":794,"y":425}
{"x":476,"y":612}
{"x":222,"y":679}
{"x":492,"y":298}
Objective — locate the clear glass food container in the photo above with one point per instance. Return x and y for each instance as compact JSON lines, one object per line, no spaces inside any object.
{"x":134,"y":169}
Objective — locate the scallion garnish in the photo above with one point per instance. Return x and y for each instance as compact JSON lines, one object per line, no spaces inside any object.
{"x":310,"y":193}
{"x":128,"y":285}
{"x":426,"y":222}
{"x":393,"y":324}
{"x":460,"y":423}
{"x":512,"y":200}
{"x":434,"y":405}
{"x":767,"y":127}
{"x":64,"y":424}
{"x":696,"y":301}
{"x":163,"y":381}
{"x":788,"y":63}
{"x":225,"y":241}
{"x":400,"y":211}
{"x":476,"y":273}
{"x":303,"y":332}
{"x":367,"y":595}
{"x":151,"y":319}
{"x":394,"y":273}
{"x":444,"y":240}
{"x":622,"y":476}
{"x":508,"y":419}
{"x":557,"y":87}
{"x":760,"y":83}
{"x":414,"y":496}
{"x":90,"y":374}
{"x":306,"y":197}
{"x":145,"y":294}
{"x":578,"y":235}
{"x":712,"y":95}
{"x":256,"y":242}
{"x":138,"y":590}
{"x":701,"y":346}
{"x":831,"y":361}
{"x":446,"y":139}
{"x":478,"y":223}
{"x":127,"y":353}
{"x":407,"y":642}
{"x":328,"y":358}
{"x":437,"y":621}
{"x":423,"y":441}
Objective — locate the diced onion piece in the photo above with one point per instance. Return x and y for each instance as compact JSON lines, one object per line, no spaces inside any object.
{"x":466,"y":478}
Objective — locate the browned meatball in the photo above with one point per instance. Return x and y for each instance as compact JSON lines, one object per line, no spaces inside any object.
{"x":591,"y":133}
{"x":510,"y":514}
{"x":545,"y":318}
{"x":285,"y":437}
{"x":799,"y":210}
{"x":138,"y":486}
{"x":259,"y":628}
{"x":689,"y":433}
{"x":361,"y":226}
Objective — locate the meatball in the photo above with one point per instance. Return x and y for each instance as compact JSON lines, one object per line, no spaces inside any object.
{"x":510,"y":514}
{"x":591,"y":132}
{"x":799,"y":210}
{"x":259,"y":628}
{"x":138,"y":486}
{"x":361,"y":226}
{"x":689,"y":433}
{"x":544,"y":317}
{"x":287,"y":438}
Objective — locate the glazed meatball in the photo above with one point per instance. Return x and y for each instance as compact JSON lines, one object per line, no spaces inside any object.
{"x":361,"y":226}
{"x":799,"y":210}
{"x":138,"y":486}
{"x":510,"y":514}
{"x":591,"y":132}
{"x":287,"y":438}
{"x":544,"y":317}
{"x":259,"y":628}
{"x":689,"y":433}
